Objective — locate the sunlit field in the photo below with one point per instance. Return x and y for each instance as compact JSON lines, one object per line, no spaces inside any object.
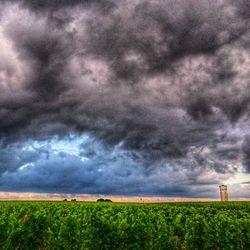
{"x":80,"y":225}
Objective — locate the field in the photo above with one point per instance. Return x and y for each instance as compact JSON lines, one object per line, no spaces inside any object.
{"x":80,"y":225}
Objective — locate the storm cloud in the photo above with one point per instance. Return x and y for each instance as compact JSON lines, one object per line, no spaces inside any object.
{"x":162,"y":85}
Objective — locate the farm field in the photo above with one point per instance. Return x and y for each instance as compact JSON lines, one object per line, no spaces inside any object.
{"x":80,"y":225}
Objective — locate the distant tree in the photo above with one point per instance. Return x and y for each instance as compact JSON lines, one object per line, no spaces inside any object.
{"x":73,"y":199}
{"x":104,"y":200}
{"x":100,"y":200}
{"x":65,"y":200}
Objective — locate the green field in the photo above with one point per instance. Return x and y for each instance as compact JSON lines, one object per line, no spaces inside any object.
{"x":80,"y":225}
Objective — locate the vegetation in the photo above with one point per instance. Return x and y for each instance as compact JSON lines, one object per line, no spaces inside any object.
{"x":80,"y":225}
{"x":104,"y":200}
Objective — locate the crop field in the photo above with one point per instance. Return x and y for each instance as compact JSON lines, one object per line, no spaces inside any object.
{"x":80,"y":225}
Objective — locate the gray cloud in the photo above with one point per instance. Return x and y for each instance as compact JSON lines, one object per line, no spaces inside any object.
{"x":246,"y":152}
{"x":159,"y":79}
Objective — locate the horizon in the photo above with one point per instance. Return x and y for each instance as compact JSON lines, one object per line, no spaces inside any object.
{"x":29,"y":196}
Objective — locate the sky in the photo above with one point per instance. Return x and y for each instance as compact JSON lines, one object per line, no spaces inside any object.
{"x":125,"y":98}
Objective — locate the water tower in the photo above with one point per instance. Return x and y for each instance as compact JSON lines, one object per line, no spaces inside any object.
{"x":223,"y":193}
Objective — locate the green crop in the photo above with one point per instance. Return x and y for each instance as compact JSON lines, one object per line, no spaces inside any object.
{"x":80,"y":225}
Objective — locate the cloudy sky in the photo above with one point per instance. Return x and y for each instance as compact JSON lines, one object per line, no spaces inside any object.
{"x":127,"y":98}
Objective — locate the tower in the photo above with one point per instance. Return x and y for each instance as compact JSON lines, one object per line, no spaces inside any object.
{"x":223,"y":193}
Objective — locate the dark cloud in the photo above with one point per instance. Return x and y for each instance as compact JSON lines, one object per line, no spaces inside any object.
{"x":246,"y":152}
{"x":107,"y":171}
{"x":243,"y":7}
{"x":50,"y":6}
{"x":158,"y":79}
{"x":158,"y":33}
